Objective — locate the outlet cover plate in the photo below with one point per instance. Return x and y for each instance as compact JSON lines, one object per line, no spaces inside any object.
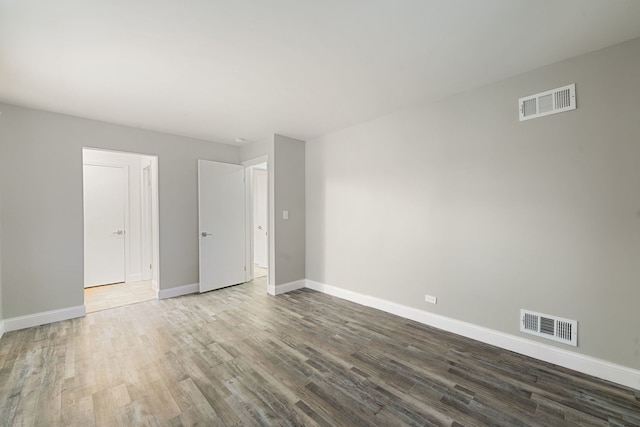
{"x":431,"y":299}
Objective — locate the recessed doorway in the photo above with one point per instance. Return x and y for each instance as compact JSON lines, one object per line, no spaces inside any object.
{"x":120,"y":228}
{"x":259,"y":238}
{"x":260,"y":221}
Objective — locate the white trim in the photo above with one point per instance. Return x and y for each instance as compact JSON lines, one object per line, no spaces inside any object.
{"x":37,"y":319}
{"x":147,"y":238}
{"x":578,"y":362}
{"x":248,"y":224}
{"x":155,"y":286}
{"x":178,"y":291}
{"x":1,"y":328}
{"x":286,"y":287}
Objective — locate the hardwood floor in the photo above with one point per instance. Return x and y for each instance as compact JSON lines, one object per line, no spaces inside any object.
{"x":238,"y":357}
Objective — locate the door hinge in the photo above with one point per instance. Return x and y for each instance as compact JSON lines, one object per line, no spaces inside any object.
{"x":245,"y":268}
{"x":150,"y":266}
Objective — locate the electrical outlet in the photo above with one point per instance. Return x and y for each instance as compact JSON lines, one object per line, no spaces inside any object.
{"x":432,"y":300}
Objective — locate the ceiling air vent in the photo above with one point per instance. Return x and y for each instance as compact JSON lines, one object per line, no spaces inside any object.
{"x":549,"y":102}
{"x":551,"y":327}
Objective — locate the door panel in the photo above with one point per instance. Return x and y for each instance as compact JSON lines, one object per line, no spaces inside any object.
{"x":221,"y":224}
{"x":260,"y":188}
{"x":104,"y":224}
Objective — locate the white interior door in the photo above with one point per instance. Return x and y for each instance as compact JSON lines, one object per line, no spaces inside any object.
{"x":221,"y":215}
{"x":260,"y":188}
{"x":104,"y":224}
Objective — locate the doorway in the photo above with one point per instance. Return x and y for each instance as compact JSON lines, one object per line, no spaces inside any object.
{"x":259,"y":237}
{"x":120,"y":228}
{"x":260,"y":221}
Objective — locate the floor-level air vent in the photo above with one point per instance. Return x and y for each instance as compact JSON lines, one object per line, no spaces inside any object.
{"x":549,"y":102}
{"x":552,"y":327}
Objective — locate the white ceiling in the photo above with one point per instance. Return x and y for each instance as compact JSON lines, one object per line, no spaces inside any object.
{"x":221,"y":70}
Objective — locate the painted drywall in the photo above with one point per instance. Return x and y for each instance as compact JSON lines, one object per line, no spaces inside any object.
{"x":461,"y":201}
{"x":42,"y":239}
{"x":288,"y":165}
{"x":1,"y":317}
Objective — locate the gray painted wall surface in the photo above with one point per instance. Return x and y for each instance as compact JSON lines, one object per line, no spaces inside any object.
{"x":289,"y":160}
{"x":1,"y":317}
{"x":461,"y":201}
{"x":257,"y":149}
{"x":41,"y":172}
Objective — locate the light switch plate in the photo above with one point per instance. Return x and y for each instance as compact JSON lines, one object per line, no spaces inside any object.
{"x":285,"y":214}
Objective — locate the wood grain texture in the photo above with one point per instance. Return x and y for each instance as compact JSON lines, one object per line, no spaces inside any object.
{"x":238,"y":357}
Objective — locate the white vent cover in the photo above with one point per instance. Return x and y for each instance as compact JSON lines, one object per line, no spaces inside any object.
{"x":549,"y":102}
{"x":551,"y":327}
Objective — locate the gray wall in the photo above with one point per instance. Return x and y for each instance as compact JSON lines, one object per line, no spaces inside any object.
{"x":41,"y":199}
{"x":1,"y":317}
{"x":461,"y":201}
{"x":289,"y":160}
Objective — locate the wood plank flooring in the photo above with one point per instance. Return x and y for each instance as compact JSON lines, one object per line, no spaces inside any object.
{"x":238,"y":357}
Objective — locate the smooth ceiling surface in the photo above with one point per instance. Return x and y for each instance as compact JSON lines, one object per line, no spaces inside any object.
{"x":220,"y":70}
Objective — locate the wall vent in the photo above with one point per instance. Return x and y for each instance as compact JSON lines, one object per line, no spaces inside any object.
{"x":551,"y":327}
{"x":549,"y":102}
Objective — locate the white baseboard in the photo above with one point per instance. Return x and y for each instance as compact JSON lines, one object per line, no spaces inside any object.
{"x":178,"y":291}
{"x":578,"y":362}
{"x":155,"y":286}
{"x":37,"y":319}
{"x":286,"y":287}
{"x":1,"y":328}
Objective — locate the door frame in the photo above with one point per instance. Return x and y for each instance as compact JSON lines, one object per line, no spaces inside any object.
{"x":125,"y":168}
{"x":249,"y":164}
{"x":147,"y":234}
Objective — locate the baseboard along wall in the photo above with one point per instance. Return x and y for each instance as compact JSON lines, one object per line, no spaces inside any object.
{"x":599,"y":368}
{"x":37,"y":319}
{"x":178,"y":291}
{"x":286,"y":287}
{"x":618,"y":374}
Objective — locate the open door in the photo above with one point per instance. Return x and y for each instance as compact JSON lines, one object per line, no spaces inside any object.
{"x":221,"y":213}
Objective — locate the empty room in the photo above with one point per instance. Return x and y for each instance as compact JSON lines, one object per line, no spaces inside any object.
{"x":320,"y":213}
